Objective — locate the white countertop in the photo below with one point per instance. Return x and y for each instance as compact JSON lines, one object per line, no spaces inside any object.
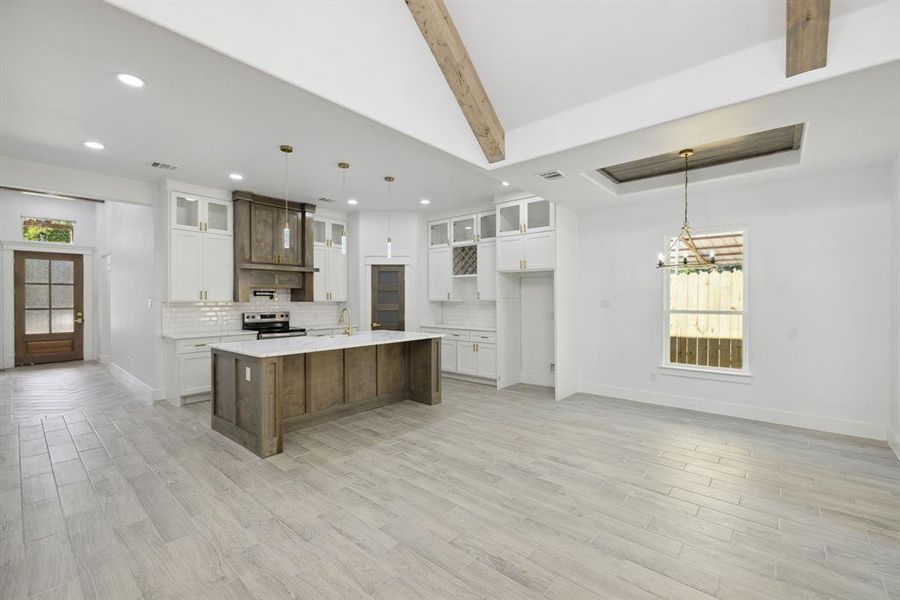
{"x":462,"y":327}
{"x":332,"y":326}
{"x":192,"y":335}
{"x":304,"y":345}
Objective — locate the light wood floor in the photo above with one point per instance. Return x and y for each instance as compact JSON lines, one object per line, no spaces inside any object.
{"x":489,"y":495}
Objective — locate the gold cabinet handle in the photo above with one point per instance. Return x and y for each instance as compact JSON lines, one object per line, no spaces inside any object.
{"x":473,"y":347}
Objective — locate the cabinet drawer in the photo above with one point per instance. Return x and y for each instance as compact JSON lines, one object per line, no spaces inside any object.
{"x":195,"y":345}
{"x":484,"y":336}
{"x":456,"y":335}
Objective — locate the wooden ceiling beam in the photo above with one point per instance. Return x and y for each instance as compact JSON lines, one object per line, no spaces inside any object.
{"x":442,"y":37}
{"x":807,"y":35}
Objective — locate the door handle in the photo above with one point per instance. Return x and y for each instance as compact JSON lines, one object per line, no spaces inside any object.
{"x":374,"y":324}
{"x":79,"y":318}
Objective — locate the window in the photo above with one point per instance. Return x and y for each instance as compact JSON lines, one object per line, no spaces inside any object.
{"x":705,"y":307}
{"x":36,"y":229}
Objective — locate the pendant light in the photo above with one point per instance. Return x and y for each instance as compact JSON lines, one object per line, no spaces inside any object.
{"x":343,"y":166}
{"x":692,"y":257}
{"x":286,"y":232}
{"x":389,"y":179}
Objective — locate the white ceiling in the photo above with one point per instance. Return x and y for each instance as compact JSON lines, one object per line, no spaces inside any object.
{"x":200,"y":110}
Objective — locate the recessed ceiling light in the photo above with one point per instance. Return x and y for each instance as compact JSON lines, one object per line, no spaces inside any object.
{"x":504,"y":183}
{"x":352,"y":201}
{"x":94,"y":145}
{"x":424,"y":201}
{"x":130,"y":80}
{"x":236,"y":176}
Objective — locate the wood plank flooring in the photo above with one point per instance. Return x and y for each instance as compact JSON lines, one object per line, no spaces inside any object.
{"x":488,"y":495}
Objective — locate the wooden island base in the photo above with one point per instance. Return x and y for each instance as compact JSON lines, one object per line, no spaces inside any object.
{"x":255,"y":400}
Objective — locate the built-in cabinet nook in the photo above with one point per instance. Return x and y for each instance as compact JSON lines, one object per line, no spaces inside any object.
{"x":507,"y":256}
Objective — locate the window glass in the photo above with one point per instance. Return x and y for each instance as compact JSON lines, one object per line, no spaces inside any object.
{"x":59,"y":231}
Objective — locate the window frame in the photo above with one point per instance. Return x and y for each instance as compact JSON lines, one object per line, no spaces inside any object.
{"x":23,"y":218}
{"x":667,"y":367}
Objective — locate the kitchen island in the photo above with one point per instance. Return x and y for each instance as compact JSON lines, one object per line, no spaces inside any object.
{"x":262,"y":388}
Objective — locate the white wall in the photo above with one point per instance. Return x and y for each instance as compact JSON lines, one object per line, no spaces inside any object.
{"x":14,"y":205}
{"x":819,"y":299}
{"x":126,"y":263}
{"x":894,"y":423}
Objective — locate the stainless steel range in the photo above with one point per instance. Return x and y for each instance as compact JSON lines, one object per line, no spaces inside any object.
{"x":271,"y":325}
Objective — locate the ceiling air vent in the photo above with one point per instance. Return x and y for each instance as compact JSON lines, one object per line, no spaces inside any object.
{"x":162,"y":166}
{"x":551,"y":175}
{"x":325,"y":201}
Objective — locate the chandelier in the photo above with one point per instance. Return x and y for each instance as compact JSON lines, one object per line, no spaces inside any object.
{"x":683,"y":251}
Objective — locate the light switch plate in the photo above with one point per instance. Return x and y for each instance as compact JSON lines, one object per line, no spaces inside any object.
{"x":247,"y":373}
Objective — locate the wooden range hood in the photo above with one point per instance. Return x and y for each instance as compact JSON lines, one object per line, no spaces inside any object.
{"x":260,"y":260}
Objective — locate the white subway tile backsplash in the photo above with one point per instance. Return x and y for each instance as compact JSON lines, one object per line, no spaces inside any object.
{"x":180,"y":317}
{"x":475,"y":313}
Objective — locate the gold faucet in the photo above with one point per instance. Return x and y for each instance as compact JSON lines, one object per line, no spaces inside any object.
{"x":348,"y":330}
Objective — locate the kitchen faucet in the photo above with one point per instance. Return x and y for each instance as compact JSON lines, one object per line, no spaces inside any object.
{"x":348,"y":330}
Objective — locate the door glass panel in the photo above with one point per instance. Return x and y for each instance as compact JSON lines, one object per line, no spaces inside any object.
{"x":62,"y":271}
{"x":37,"y":321}
{"x":63,"y":296}
{"x":37,"y":270}
{"x":538,"y":214}
{"x":388,"y":316}
{"x":63,"y":320}
{"x":386,"y":297}
{"x":187,"y":211}
{"x":488,"y":226}
{"x":37,"y":296}
{"x":464,"y":230}
{"x":439,"y":234}
{"x":337,"y":231}
{"x":217,"y":216}
{"x":387,"y":277}
{"x":319,"y":231}
{"x":509,"y":218}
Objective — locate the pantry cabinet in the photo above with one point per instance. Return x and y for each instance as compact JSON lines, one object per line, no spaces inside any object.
{"x":330,"y":258}
{"x":200,"y":237}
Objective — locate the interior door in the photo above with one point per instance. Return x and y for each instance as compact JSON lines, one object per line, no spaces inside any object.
{"x":388,"y":306}
{"x":49,"y":307}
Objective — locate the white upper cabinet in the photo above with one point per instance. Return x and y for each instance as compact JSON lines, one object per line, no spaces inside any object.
{"x":439,"y":234}
{"x":463,"y":230}
{"x":330,"y":257}
{"x":526,"y":237}
{"x":440,"y":274}
{"x":509,"y":218}
{"x":201,"y":250}
{"x":530,"y":214}
{"x":486,"y":276}
{"x":196,"y":213}
{"x":487,"y":225}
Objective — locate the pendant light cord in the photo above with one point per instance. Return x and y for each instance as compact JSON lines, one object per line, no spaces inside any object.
{"x":685,"y":224}
{"x":285,"y":190}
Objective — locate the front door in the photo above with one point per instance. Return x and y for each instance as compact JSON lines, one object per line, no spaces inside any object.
{"x":388,"y":307}
{"x":49,"y":307}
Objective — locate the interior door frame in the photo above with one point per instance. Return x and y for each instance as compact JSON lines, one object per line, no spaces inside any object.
{"x":365,"y":279}
{"x":374,"y":283}
{"x":7,"y":297}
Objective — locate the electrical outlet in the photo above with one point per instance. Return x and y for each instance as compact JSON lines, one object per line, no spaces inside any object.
{"x":552,"y":367}
{"x":604,"y":304}
{"x":247,"y":373}
{"x":652,"y":377}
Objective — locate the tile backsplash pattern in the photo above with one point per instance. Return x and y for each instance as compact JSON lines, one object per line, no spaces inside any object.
{"x":181,"y":317}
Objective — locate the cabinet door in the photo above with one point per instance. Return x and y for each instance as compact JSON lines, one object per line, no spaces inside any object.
{"x":218,"y":274}
{"x":263,"y":225}
{"x":187,"y":212}
{"x":465,"y":358}
{"x":538,"y":251}
{"x":486,"y":358}
{"x":487,"y":226}
{"x":448,"y":355}
{"x":337,"y":235}
{"x":439,"y":274}
{"x":194,"y":370}
{"x":185,"y":266}
{"x":218,"y":216}
{"x":539,"y":215}
{"x":486,"y":280}
{"x":509,"y":253}
{"x":509,"y":218}
{"x":463,"y":230}
{"x":320,"y":277}
{"x":439,"y":234}
{"x":336,"y":277}
{"x":320,"y":232}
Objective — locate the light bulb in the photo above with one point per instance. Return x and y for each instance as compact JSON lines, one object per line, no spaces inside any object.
{"x":661,"y":257}
{"x":286,"y":236}
{"x":712,"y":255}
{"x":389,"y":250}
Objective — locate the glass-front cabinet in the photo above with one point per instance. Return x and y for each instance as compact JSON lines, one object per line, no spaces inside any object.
{"x":487,"y":226}
{"x":196,"y":213}
{"x":538,"y":215}
{"x":532,"y":214}
{"x":509,"y":218}
{"x":439,"y":233}
{"x":463,"y":229}
{"x":320,"y":232}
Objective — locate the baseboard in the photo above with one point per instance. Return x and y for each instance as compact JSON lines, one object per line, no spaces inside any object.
{"x":873,"y":431}
{"x":893,"y":439}
{"x":469,"y":378}
{"x":542,"y":379}
{"x":130,"y":379}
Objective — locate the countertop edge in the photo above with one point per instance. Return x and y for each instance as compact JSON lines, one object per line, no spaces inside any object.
{"x":344,"y":343}
{"x":460,"y":327}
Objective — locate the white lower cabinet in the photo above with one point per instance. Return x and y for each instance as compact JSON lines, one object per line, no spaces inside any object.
{"x":189,"y":366}
{"x":468,"y":352}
